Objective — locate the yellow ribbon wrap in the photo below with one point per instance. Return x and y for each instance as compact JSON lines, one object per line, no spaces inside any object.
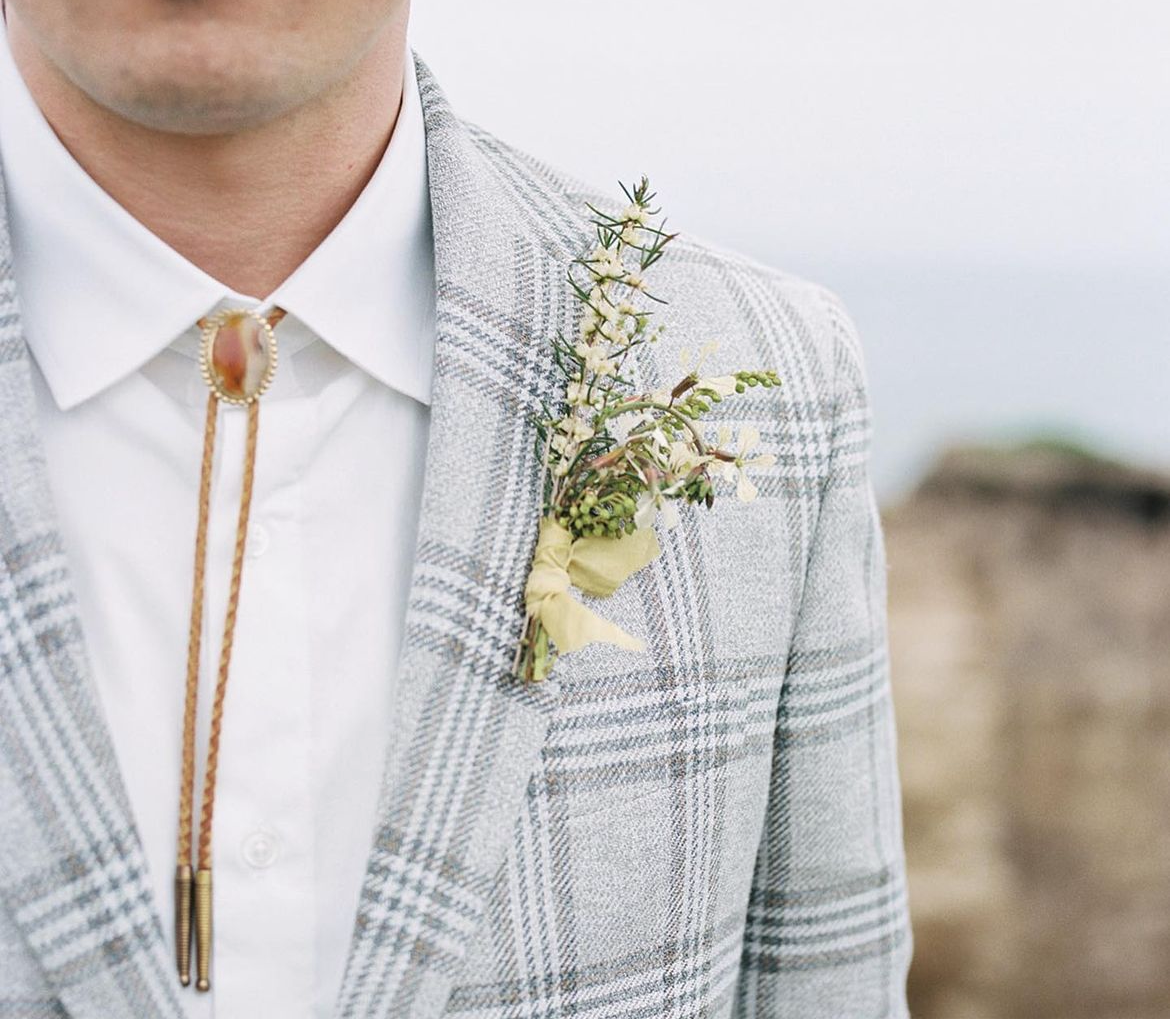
{"x":597,"y":566}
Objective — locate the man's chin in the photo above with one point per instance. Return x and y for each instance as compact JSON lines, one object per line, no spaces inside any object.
{"x":193,"y":92}
{"x":194,"y":83}
{"x":194,"y":108}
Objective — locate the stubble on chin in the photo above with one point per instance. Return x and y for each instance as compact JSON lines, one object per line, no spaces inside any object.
{"x":194,"y":77}
{"x":198,"y":90}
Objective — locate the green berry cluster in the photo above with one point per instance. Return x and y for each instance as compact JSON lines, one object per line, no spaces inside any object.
{"x":696,"y":403}
{"x":608,"y":513}
{"x":767,"y":379}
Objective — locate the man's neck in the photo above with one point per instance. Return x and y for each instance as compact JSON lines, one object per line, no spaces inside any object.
{"x":246,"y":208}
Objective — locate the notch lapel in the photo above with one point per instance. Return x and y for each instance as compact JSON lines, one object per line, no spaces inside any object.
{"x":72,"y":871}
{"x":467,"y":736}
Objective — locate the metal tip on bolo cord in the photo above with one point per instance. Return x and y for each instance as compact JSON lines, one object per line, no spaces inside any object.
{"x":184,"y":883}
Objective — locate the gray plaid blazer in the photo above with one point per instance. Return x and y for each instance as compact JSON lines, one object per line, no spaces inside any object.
{"x":709,"y":828}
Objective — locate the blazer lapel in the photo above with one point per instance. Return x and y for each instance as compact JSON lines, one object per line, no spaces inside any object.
{"x":72,"y":871}
{"x":467,"y":736}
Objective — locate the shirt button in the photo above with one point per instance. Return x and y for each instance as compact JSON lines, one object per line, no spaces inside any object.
{"x":257,"y":541}
{"x":261,"y":849}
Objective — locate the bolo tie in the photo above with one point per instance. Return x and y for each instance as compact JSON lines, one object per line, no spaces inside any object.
{"x":237,"y":358}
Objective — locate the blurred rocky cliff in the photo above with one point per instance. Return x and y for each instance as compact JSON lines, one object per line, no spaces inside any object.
{"x":1030,"y":634}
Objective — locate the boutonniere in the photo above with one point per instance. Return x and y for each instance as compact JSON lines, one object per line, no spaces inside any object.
{"x":615,"y":458}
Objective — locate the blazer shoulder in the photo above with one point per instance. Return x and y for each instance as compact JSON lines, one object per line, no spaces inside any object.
{"x":806,"y":322}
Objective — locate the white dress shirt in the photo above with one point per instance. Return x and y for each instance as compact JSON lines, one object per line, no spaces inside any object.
{"x":109,"y":312}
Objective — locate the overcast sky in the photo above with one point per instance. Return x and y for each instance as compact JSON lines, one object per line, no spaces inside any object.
{"x":875,"y":139}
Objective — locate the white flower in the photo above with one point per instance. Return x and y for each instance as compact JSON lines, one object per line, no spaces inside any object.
{"x":631,"y":234}
{"x":601,"y":262}
{"x":575,"y":429}
{"x":684,"y":357}
{"x":597,"y":362}
{"x":577,"y":393}
{"x":609,"y":265}
{"x":669,"y":513}
{"x":683,"y":458}
{"x":634,"y":214}
{"x":609,"y":331}
{"x":603,"y":309}
{"x":659,"y":440}
{"x":634,"y":280}
{"x":650,"y":505}
{"x":745,"y":491}
{"x":749,"y":438}
{"x":621,"y":426}
{"x":647,"y":512}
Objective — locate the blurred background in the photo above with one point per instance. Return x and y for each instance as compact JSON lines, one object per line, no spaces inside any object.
{"x":987,"y":185}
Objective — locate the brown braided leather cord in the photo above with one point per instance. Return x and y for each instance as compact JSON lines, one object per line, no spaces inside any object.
{"x":194,"y":636}
{"x":203,"y":873}
{"x":229,"y":629}
{"x":183,"y":870}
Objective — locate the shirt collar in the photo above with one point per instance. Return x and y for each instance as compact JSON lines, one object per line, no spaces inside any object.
{"x":101,"y":295}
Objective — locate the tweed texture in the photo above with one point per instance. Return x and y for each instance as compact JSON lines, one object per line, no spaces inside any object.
{"x":709,"y":828}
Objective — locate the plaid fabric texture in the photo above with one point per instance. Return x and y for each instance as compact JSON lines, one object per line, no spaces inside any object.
{"x":710,"y":828}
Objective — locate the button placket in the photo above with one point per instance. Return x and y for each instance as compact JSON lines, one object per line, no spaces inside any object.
{"x":265,"y":908}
